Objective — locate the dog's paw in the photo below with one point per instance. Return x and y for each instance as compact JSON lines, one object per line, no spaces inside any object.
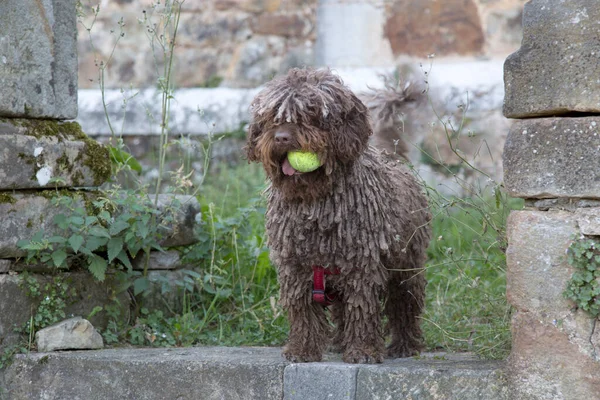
{"x":362,"y":356}
{"x":402,"y":350}
{"x":300,"y":356}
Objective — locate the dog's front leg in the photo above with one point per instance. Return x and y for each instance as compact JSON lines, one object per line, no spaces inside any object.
{"x":309,"y":330}
{"x":363,"y":338}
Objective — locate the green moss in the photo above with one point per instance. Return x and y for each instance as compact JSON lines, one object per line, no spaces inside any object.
{"x":51,"y":193}
{"x":94,"y":155}
{"x":29,"y":223}
{"x":97,"y":159}
{"x":7,"y":198}
{"x":77,"y":178}
{"x":39,"y":128}
{"x":63,"y":163}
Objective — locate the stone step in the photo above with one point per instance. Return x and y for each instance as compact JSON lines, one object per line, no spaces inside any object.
{"x":244,"y":373}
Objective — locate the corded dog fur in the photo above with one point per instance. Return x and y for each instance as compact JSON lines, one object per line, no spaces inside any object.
{"x":361,"y":213}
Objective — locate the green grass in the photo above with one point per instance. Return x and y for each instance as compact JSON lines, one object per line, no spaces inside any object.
{"x":239,"y":291}
{"x":466,"y":308}
{"x":233,"y":300}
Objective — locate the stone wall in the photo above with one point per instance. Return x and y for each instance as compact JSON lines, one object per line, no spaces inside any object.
{"x":243,"y":43}
{"x":43,"y":156}
{"x":550,"y":159}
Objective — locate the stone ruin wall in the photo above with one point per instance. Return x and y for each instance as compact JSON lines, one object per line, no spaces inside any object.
{"x":246,"y":42}
{"x":242,"y":43}
{"x":38,"y":73}
{"x":552,"y":159}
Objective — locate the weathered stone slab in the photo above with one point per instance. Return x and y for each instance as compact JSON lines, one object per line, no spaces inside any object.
{"x":38,"y":59}
{"x":16,"y":306}
{"x":537,"y":268}
{"x":320,"y":381}
{"x":246,"y":373}
{"x":557,"y":67}
{"x":432,"y":379}
{"x":24,"y":214}
{"x":147,"y":374}
{"x":545,"y":363}
{"x":45,"y":154}
{"x":588,"y":220}
{"x":554,"y":355}
{"x":185,"y":211}
{"x":553,"y":157}
{"x":72,"y":334}
{"x":158,"y":260}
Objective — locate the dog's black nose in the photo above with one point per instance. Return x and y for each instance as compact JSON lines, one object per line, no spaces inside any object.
{"x":282,"y":137}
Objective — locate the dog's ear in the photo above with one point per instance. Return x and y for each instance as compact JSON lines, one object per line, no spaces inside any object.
{"x":254,"y":131}
{"x":353,"y":133}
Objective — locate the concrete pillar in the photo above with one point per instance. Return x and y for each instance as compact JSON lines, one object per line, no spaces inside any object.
{"x":350,"y":34}
{"x":551,"y":159}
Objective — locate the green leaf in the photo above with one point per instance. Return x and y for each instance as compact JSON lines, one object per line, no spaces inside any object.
{"x":104,"y":215}
{"x":89,"y":220}
{"x":122,"y":256}
{"x":94,"y":242}
{"x":76,"y":241}
{"x":118,"y":227}
{"x":57,"y":239}
{"x":99,"y":231}
{"x":114,"y":247}
{"x":61,"y":221}
{"x":118,"y":156}
{"x":59,"y":257}
{"x":76,"y":220}
{"x":140,"y":284}
{"x":23,"y":243}
{"x":97,"y":267}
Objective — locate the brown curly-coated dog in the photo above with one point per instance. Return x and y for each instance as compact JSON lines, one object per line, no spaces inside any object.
{"x":361,"y":216}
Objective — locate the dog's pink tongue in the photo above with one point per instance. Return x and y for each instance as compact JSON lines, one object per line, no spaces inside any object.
{"x":287,"y":168}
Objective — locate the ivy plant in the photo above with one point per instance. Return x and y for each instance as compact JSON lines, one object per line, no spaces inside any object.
{"x":584,"y":286}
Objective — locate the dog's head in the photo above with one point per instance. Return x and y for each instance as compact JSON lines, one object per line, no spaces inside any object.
{"x":310,"y":110}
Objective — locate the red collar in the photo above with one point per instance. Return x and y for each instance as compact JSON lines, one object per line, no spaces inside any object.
{"x":318,"y":292}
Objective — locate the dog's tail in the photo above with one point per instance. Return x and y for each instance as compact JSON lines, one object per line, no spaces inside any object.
{"x":390,"y":107}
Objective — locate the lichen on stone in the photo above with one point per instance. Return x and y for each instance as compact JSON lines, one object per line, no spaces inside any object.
{"x":7,"y":198}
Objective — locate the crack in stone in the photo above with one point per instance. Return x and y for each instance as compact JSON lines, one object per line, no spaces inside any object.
{"x":594,"y":350}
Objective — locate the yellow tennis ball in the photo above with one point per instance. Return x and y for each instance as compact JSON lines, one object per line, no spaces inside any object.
{"x":303,"y":161}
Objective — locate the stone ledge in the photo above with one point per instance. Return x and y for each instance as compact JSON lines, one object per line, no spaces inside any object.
{"x":34,"y":152}
{"x":244,"y":373}
{"x":553,"y":157}
{"x":555,"y":71}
